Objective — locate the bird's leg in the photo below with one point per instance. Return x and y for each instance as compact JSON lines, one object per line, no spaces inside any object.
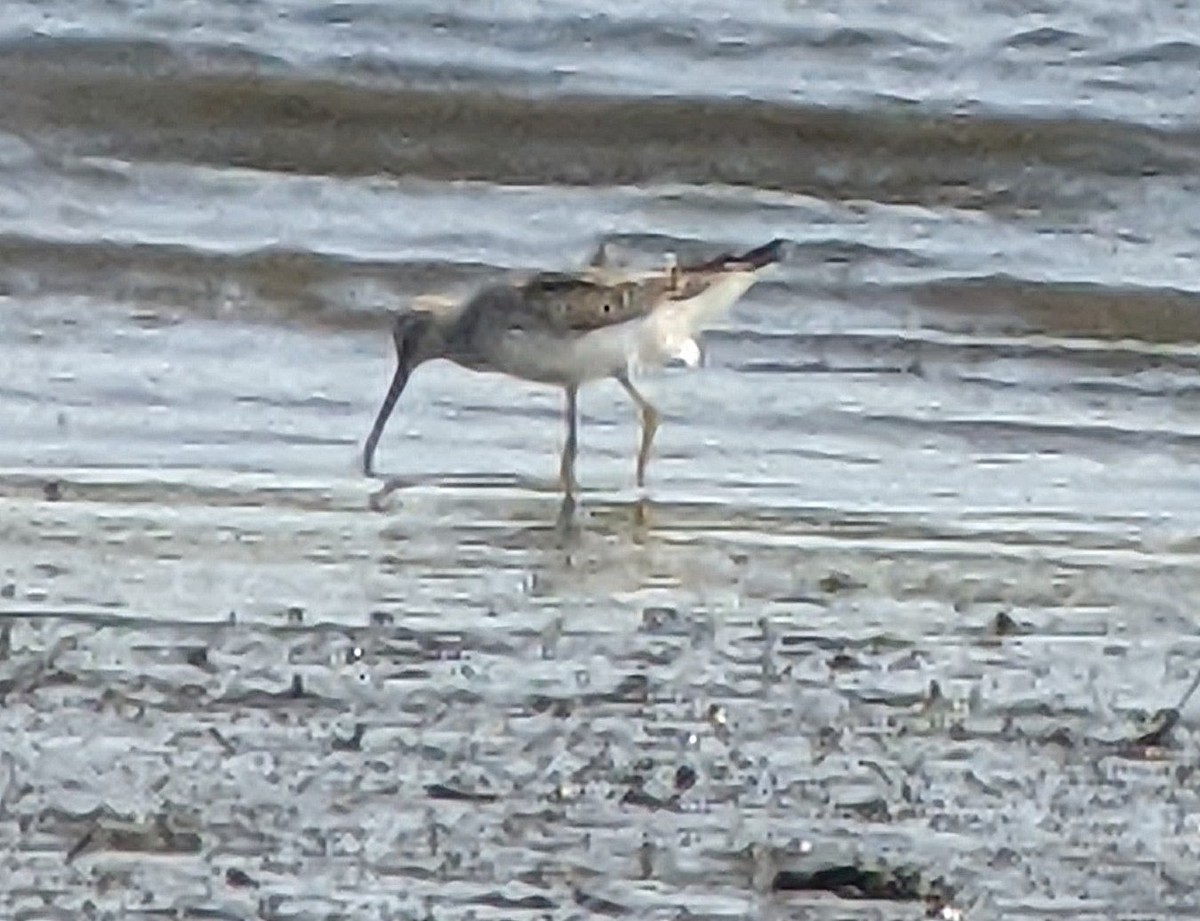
{"x":565,"y":523}
{"x":673,"y":272}
{"x":566,"y":470}
{"x":649,"y":425}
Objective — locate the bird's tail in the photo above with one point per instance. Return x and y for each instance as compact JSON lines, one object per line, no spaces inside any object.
{"x":757,"y":258}
{"x":764,"y":255}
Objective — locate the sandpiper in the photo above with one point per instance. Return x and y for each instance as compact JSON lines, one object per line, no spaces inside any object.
{"x":570,"y":328}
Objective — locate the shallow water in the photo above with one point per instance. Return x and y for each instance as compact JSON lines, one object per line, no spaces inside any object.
{"x":971,"y":390}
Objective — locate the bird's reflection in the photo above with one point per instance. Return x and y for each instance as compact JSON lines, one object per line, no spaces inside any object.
{"x":566,"y":525}
{"x":378,"y":500}
{"x":633,"y":518}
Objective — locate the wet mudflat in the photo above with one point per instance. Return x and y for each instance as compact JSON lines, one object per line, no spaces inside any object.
{"x":915,"y":572}
{"x":257,"y":697}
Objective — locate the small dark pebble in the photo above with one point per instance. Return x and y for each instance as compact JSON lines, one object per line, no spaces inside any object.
{"x":1004,"y":625}
{"x":57,"y":678}
{"x":235,"y":877}
{"x":296,"y":690}
{"x":631,"y":689}
{"x":852,"y":882}
{"x":1158,"y":736}
{"x":872,"y":810}
{"x":936,"y":904}
{"x":829,"y":738}
{"x":637,"y":796}
{"x":295,"y":614}
{"x":192,"y":691}
{"x":441,"y":791}
{"x":835,"y":582}
{"x":843,"y":661}
{"x":8,"y":590}
{"x":646,"y":859}
{"x":594,"y":903}
{"x":555,"y":706}
{"x":352,"y":744}
{"x":526,"y":903}
{"x":411,"y":674}
{"x":934,"y":694}
{"x":657,"y":617}
{"x":52,"y":490}
{"x":685,"y":778}
{"x":197,"y":656}
{"x":1005,"y":857}
{"x":382,"y":618}
{"x":178,"y":842}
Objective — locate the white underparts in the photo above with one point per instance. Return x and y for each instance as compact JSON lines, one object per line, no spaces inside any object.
{"x":669,"y":333}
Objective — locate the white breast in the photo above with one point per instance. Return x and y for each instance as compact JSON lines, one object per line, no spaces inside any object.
{"x":555,"y":359}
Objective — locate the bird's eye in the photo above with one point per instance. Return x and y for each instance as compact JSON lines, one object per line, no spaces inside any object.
{"x":607,"y":306}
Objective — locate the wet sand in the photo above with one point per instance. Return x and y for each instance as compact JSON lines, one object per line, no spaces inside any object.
{"x":773,"y":619}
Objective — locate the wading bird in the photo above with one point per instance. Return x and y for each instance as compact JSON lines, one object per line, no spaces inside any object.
{"x":570,"y":328}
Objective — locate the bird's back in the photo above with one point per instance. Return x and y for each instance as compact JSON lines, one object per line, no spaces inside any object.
{"x":562,"y":327}
{"x":554,"y":328}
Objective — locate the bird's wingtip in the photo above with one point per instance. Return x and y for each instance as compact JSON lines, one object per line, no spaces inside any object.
{"x":767,"y":254}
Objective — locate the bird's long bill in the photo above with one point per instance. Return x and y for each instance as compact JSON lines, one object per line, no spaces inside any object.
{"x":404,"y":367}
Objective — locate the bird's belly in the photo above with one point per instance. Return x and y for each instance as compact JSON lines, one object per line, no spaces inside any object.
{"x":576,"y":359}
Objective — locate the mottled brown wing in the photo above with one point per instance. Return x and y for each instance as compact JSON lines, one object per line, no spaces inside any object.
{"x":574,"y":303}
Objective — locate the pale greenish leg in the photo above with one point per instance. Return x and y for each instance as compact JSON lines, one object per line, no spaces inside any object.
{"x":566,"y":470}
{"x":650,"y":419}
